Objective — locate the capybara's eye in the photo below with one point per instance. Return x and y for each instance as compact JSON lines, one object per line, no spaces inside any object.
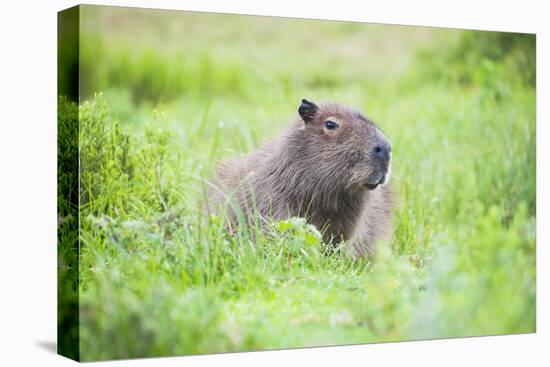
{"x":331,"y":125}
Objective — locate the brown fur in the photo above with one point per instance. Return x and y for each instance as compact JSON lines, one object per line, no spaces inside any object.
{"x":332,"y":177}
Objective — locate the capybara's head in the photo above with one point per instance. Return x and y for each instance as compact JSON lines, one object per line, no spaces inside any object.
{"x":343,"y":147}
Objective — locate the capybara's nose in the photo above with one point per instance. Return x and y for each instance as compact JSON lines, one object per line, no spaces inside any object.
{"x":382,"y":151}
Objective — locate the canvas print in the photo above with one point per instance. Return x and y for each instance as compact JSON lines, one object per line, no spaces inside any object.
{"x":233,"y":183}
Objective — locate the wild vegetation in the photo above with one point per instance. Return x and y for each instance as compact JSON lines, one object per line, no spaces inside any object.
{"x":157,"y":277}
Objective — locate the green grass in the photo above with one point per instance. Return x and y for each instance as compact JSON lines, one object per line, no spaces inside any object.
{"x":158,"y":278}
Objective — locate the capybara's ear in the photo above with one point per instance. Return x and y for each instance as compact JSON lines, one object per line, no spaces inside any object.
{"x":307,"y":110}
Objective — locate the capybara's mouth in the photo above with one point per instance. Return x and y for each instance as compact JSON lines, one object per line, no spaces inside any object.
{"x":379,"y":180}
{"x":371,"y":186}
